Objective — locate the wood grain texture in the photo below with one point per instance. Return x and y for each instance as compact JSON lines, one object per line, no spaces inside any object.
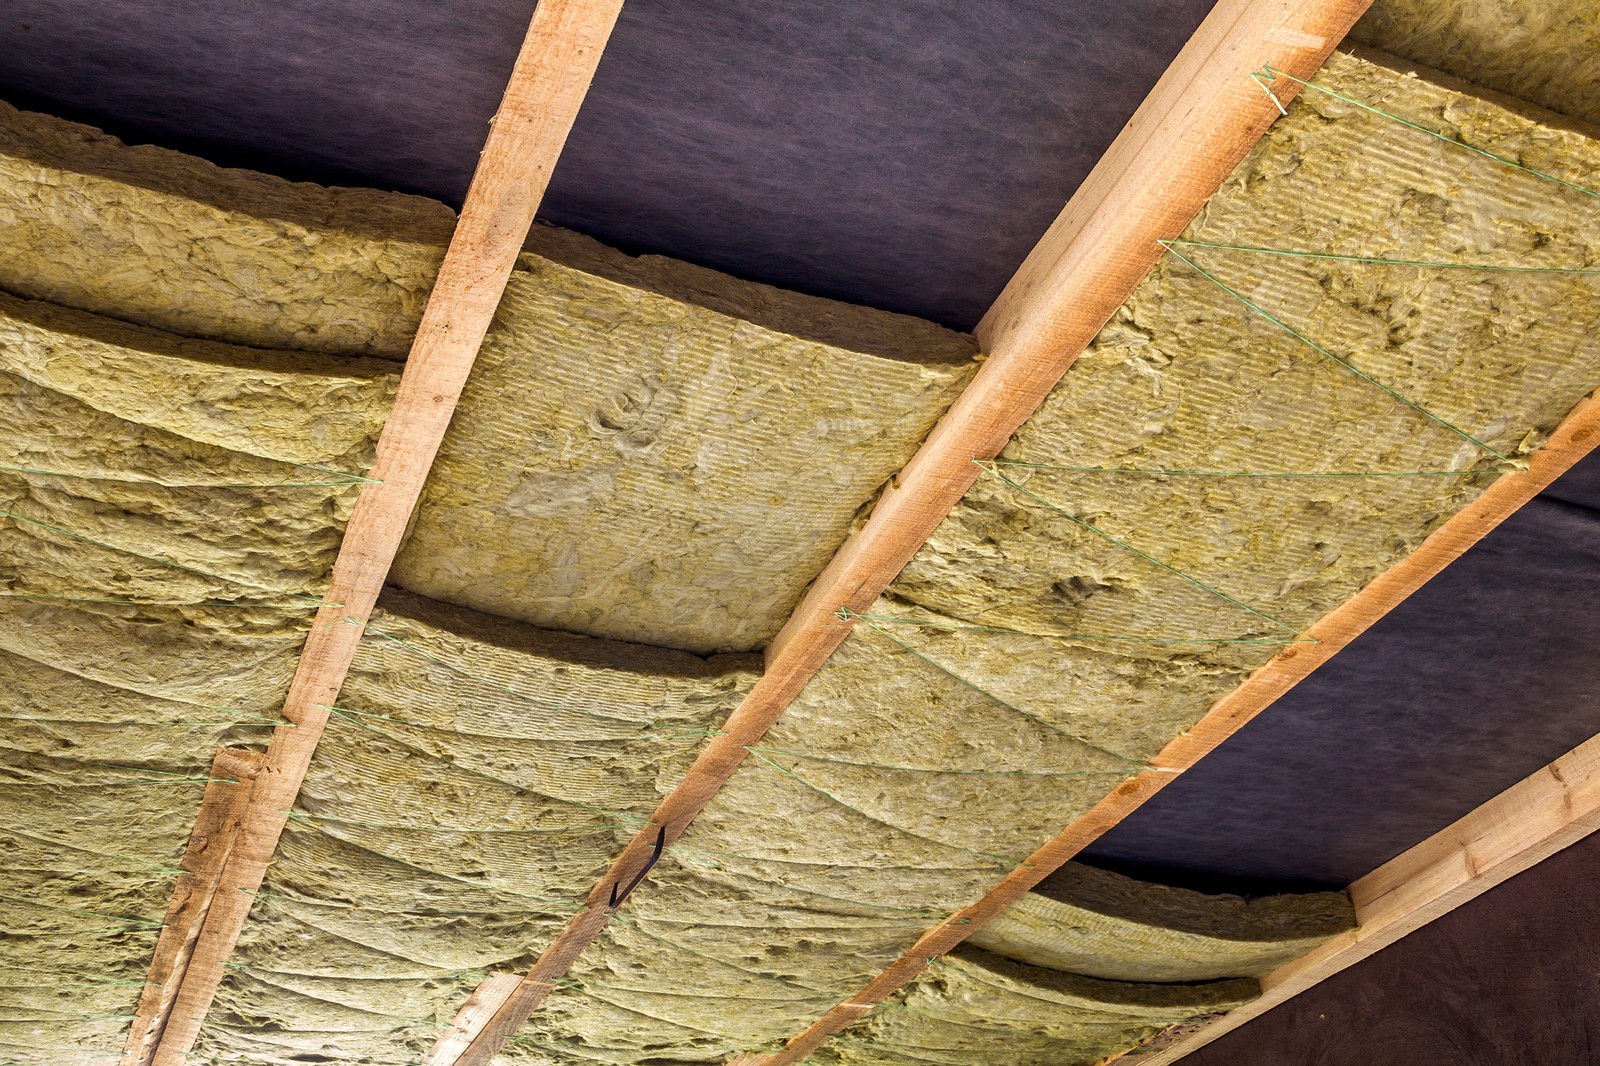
{"x":1199,"y":122}
{"x":1524,"y":825}
{"x":216,"y":830}
{"x":552,"y":73}
{"x":1565,"y":811}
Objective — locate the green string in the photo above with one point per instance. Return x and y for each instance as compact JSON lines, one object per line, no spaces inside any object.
{"x":1249,"y":473}
{"x":159,"y":773}
{"x":1275,"y":73}
{"x":1124,"y":544}
{"x":1293,"y":254}
{"x":599,"y":827}
{"x":1314,"y":346}
{"x":974,"y":686}
{"x":686,"y":949}
{"x":523,"y":790}
{"x":464,"y":672}
{"x":82,"y":910}
{"x":188,"y":723}
{"x":155,"y":603}
{"x":898,"y":909}
{"x":847,"y":614}
{"x":47,"y":842}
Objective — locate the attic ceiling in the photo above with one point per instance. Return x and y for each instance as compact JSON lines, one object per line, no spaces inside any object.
{"x":652,"y":460}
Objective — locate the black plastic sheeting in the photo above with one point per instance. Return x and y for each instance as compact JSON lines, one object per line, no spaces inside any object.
{"x":904,"y":154}
{"x":1483,"y":676}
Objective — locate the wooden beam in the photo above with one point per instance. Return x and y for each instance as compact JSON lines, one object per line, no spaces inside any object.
{"x":1518,"y":829}
{"x":1195,"y":127}
{"x":215,"y":832}
{"x":1575,"y":438}
{"x":547,"y":86}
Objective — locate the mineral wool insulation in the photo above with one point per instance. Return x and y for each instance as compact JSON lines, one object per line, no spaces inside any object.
{"x":174,"y":476}
{"x":477,"y":779}
{"x":1063,"y":625}
{"x":651,"y":451}
{"x":163,"y":541}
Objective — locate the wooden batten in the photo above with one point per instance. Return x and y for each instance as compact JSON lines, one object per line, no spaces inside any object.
{"x":552,"y":74}
{"x":216,"y":830}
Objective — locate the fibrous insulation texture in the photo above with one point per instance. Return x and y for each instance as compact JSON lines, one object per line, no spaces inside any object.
{"x":169,"y":508}
{"x":152,"y":236}
{"x":655,"y":452}
{"x":1546,"y":52}
{"x":1096,"y":923}
{"x":475,"y":780}
{"x":1129,"y":561}
{"x":974,"y":1007}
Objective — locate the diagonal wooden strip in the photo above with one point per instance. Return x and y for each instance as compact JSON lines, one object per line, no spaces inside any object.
{"x":215,"y":831}
{"x":547,"y":86}
{"x":1578,"y":434}
{"x":1518,"y":829}
{"x":1198,"y":123}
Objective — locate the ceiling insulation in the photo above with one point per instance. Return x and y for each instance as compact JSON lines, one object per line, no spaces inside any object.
{"x":651,"y":451}
{"x":1054,"y":600}
{"x":1546,"y":52}
{"x":654,"y":453}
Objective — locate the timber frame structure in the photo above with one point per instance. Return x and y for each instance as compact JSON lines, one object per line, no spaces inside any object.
{"x":1196,"y":128}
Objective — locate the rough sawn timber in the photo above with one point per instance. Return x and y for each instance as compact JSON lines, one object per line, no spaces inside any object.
{"x":216,"y":830}
{"x":1543,"y":813}
{"x":547,"y":86}
{"x":1194,"y":128}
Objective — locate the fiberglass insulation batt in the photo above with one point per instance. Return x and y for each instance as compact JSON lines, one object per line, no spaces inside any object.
{"x":475,"y":781}
{"x":1069,"y":619}
{"x":651,"y":451}
{"x":174,"y":477}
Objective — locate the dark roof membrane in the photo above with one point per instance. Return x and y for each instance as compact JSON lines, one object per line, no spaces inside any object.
{"x":900,"y":154}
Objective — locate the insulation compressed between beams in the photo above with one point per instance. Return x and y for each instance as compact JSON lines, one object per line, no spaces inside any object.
{"x":164,"y":239}
{"x":651,"y":451}
{"x":975,"y":1007}
{"x":1096,"y":923}
{"x":162,"y":551}
{"x":1023,"y":641}
{"x":478,"y":776}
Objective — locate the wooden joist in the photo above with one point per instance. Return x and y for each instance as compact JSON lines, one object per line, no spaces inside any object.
{"x":1524,"y":825}
{"x":547,"y":86}
{"x":1198,"y":123}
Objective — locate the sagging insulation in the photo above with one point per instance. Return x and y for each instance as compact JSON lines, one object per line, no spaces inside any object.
{"x":170,"y":508}
{"x":170,"y":241}
{"x":1096,"y":923}
{"x":651,"y":451}
{"x":477,"y":778}
{"x":975,"y":1007}
{"x":1125,"y":564}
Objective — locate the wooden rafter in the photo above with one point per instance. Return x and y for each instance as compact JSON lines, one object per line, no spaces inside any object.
{"x":1524,"y":825}
{"x":1195,"y":127}
{"x":548,"y":83}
